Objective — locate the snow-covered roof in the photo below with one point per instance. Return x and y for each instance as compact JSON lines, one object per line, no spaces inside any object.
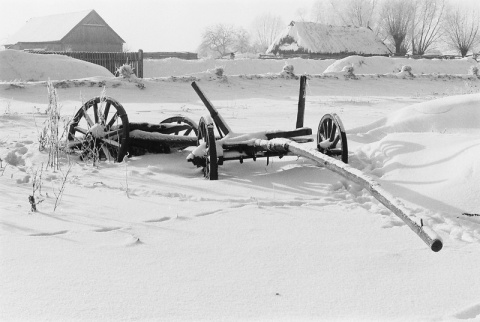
{"x":319,"y":38}
{"x":48,"y":28}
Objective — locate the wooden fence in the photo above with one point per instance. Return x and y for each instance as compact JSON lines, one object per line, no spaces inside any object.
{"x":111,"y":61}
{"x":162,"y":55}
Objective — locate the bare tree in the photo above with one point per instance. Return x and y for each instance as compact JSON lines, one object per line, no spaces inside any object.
{"x":265,"y":29}
{"x":220,"y":39}
{"x":396,"y":18}
{"x":321,"y":12}
{"x":358,"y":13}
{"x":242,"y":41}
{"x":461,"y":29}
{"x":426,"y":24}
{"x":302,"y":14}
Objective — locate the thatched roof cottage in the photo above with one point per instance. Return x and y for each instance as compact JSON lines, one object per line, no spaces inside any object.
{"x":316,"y":40}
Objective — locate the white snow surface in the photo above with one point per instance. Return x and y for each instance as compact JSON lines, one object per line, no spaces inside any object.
{"x":151,"y":239}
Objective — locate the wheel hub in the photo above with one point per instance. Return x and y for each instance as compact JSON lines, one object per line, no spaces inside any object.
{"x":97,"y":131}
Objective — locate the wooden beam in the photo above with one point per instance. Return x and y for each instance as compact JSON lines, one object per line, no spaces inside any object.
{"x":430,"y":237}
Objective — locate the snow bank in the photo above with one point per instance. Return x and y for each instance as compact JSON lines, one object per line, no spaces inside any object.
{"x":178,"y":67}
{"x":22,"y":66}
{"x":362,"y":65}
{"x":430,"y":150}
{"x":451,"y":114}
{"x":385,"y":65}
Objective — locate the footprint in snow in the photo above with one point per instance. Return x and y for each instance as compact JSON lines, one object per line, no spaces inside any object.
{"x":158,"y":220}
{"x":61,"y":232}
{"x":106,"y":229}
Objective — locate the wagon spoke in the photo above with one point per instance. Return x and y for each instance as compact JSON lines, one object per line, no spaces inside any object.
{"x":334,"y":142}
{"x":332,"y":132}
{"x":106,"y":111}
{"x":81,"y":130}
{"x":109,"y":142}
{"x":107,"y":153}
{"x":75,"y":143}
{"x":95,"y":112}
{"x":109,"y":134}
{"x":88,"y":118}
{"x":112,"y":121}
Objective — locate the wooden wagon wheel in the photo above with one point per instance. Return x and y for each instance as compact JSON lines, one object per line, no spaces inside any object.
{"x":99,"y":132}
{"x":183,"y":120}
{"x":331,"y":137}
{"x":206,"y":135}
{"x":186,"y":126}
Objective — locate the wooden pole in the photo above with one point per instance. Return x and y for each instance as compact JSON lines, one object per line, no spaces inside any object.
{"x":430,"y":237}
{"x":140,"y":63}
{"x":219,"y":121}
{"x":301,"y":101}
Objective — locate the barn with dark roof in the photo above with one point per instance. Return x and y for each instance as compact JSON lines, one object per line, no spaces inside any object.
{"x":76,"y":31}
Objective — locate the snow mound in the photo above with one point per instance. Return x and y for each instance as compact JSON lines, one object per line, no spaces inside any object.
{"x":22,"y":66}
{"x":385,"y":65}
{"x":452,"y":114}
{"x":178,"y":67}
{"x":429,"y":153}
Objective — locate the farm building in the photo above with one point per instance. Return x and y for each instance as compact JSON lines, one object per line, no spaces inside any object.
{"x":77,"y":31}
{"x":316,"y":40}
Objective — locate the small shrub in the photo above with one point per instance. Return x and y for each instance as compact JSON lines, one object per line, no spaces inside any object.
{"x":288,"y":69}
{"x":348,"y":69}
{"x":288,"y":72}
{"x":407,"y":69}
{"x":219,"y":71}
{"x":49,"y":137}
{"x":125,"y":71}
{"x":473,"y":71}
{"x":348,"y":72}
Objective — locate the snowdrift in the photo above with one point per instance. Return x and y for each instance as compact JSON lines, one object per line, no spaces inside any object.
{"x":385,"y":65}
{"x":431,"y":149}
{"x":178,"y":67}
{"x":17,"y":65}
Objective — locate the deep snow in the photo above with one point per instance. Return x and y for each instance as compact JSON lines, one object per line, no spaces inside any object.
{"x":150,"y":239}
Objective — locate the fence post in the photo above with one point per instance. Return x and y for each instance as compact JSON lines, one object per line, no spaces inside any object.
{"x":301,"y":101}
{"x":140,"y":63}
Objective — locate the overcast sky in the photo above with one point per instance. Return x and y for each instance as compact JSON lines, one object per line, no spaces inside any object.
{"x":153,"y":25}
{"x":157,"y":25}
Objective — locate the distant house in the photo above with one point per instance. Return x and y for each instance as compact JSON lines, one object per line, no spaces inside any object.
{"x":77,"y":31}
{"x":316,"y":40}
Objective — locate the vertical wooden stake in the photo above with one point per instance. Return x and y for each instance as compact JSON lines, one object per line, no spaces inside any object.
{"x":301,"y":101}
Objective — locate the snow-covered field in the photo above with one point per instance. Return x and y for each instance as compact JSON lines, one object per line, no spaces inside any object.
{"x":151,"y":239}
